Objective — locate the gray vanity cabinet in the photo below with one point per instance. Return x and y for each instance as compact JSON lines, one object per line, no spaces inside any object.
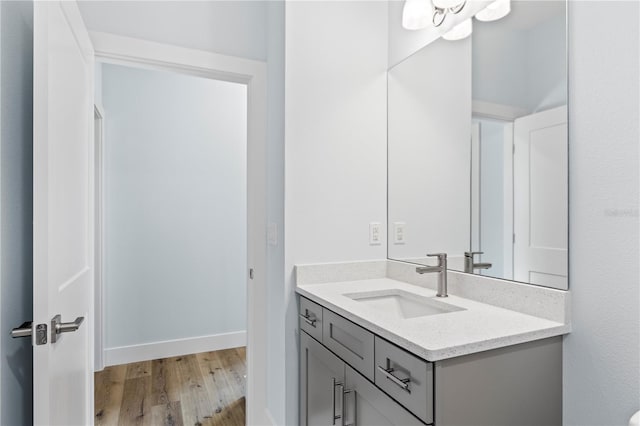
{"x":331,"y":390}
{"x":515,"y":385}
{"x":321,"y":384}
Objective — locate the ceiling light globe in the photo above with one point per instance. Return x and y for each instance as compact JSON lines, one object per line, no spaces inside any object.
{"x":496,"y":10}
{"x":416,"y":14}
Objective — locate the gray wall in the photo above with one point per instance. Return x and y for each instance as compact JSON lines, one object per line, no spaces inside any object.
{"x":602,"y":354}
{"x":16,"y":135}
{"x":175,"y":206}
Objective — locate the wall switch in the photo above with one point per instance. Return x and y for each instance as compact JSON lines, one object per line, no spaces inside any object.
{"x":374,"y":234}
{"x":272,"y":234}
{"x":398,"y":232}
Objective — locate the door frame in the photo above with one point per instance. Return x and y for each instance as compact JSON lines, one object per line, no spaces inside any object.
{"x":98,"y":240}
{"x":115,"y":49}
{"x":506,"y":114}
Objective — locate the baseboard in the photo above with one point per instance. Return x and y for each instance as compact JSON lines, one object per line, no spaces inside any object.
{"x":169,"y":348}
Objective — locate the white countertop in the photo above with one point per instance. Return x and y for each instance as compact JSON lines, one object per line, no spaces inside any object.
{"x":479,"y":327}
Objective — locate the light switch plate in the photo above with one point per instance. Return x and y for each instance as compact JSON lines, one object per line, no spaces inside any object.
{"x":375,"y":238}
{"x":399,"y":232}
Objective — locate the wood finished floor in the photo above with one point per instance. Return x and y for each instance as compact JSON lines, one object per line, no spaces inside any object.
{"x":201,"y":390}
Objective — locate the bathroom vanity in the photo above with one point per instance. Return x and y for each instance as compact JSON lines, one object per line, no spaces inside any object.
{"x":375,"y":350}
{"x":477,"y":172}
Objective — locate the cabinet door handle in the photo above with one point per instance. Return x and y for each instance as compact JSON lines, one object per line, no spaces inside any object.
{"x":333,"y":400}
{"x":344,"y":408}
{"x":402,"y":383}
{"x":309,"y":319}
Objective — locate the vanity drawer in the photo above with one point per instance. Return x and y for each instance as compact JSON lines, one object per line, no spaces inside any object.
{"x":349,"y":341}
{"x":405,"y":377}
{"x":311,"y":318}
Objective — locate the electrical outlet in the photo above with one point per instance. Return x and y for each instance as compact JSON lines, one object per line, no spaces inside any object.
{"x":398,"y":232}
{"x":375,"y":238}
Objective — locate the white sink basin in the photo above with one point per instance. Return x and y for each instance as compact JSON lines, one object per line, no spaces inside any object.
{"x":402,"y":304}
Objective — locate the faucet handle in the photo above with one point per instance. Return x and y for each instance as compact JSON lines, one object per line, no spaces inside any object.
{"x":442,"y":257}
{"x":472,"y":253}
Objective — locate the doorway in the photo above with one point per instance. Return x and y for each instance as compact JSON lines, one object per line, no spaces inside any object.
{"x":197,"y":348}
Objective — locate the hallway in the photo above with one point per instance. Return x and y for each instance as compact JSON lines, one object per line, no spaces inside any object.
{"x":199,"y":389}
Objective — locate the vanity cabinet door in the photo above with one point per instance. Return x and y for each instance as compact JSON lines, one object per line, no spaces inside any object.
{"x":321,"y":384}
{"x":366,"y":405}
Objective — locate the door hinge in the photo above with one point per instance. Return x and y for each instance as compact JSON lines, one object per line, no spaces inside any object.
{"x":251,"y":273}
{"x":514,"y":238}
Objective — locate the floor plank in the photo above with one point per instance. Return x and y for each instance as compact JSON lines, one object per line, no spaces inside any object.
{"x":197,"y":406}
{"x":165,"y":385}
{"x":136,"y":404}
{"x":169,"y":414}
{"x":206,"y":389}
{"x":109,"y":386}
{"x":138,"y":369}
{"x":221,"y":386}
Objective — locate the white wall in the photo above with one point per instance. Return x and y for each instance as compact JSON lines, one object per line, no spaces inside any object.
{"x":175,"y":206}
{"x":429,"y":151}
{"x":236,"y":28}
{"x":602,"y":354}
{"x":335,"y":151}
{"x":16,"y":182}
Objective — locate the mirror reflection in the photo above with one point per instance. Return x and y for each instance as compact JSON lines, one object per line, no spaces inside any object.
{"x":478,"y":149}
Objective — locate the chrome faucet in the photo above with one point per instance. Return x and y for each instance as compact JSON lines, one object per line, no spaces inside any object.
{"x":470,"y":266}
{"x":441,"y":269}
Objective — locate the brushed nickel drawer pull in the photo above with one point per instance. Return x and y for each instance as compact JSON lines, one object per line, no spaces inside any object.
{"x":311,"y":320}
{"x":402,"y":383}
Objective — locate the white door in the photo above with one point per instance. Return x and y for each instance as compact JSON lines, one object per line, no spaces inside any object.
{"x":540,"y":173}
{"x":62,"y":214}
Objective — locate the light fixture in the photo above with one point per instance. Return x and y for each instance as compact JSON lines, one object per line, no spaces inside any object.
{"x":446,"y":4}
{"x":496,"y":10}
{"x":460,"y":31}
{"x":439,"y":14}
{"x":416,"y":14}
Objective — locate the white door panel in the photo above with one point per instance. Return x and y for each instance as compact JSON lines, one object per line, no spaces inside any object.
{"x":63,"y":213}
{"x":541,"y":198}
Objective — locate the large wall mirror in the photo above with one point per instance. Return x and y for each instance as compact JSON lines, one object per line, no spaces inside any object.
{"x":478,"y":146}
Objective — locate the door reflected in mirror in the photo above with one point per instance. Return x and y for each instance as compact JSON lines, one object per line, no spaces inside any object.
{"x":478,"y":144}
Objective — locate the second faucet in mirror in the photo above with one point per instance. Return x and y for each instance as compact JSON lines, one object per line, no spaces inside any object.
{"x":470,"y":266}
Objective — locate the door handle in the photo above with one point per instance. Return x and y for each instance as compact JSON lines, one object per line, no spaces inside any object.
{"x":23,"y":331}
{"x":58,"y":327}
{"x":26,"y":330}
{"x":335,"y":416}
{"x":346,"y":422}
